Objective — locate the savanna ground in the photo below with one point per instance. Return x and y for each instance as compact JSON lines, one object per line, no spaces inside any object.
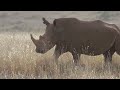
{"x":18,"y":59}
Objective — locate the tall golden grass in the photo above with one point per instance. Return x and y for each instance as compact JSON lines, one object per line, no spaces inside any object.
{"x":18,"y":60}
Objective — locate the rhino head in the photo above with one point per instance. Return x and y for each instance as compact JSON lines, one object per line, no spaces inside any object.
{"x":43,"y":44}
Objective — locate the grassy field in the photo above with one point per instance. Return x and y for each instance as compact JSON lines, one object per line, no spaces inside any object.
{"x":18,"y":60}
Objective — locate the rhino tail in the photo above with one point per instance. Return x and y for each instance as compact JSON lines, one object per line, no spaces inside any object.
{"x":117,"y":45}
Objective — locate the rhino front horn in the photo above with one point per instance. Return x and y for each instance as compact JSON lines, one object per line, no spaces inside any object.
{"x":34,"y":41}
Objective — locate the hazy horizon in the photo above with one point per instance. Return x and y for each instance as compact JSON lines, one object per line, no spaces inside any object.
{"x":31,"y":21}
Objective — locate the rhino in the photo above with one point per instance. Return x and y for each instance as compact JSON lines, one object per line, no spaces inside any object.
{"x":79,"y":37}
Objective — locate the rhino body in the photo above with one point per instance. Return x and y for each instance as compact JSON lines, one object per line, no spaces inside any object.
{"x":79,"y":37}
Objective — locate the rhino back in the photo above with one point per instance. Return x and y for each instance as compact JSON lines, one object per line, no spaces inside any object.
{"x":94,"y":35}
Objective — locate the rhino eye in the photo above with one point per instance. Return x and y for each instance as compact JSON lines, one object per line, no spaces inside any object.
{"x":44,"y":43}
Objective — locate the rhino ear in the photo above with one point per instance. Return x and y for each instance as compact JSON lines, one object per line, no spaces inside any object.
{"x":45,"y":21}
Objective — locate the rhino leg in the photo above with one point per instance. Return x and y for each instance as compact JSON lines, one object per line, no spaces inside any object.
{"x":58,"y":51}
{"x":76,"y":57}
{"x":108,"y":55}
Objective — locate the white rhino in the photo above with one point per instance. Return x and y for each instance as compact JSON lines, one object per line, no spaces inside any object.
{"x":79,"y":37}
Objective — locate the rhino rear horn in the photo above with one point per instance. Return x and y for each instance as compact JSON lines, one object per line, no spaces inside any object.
{"x":45,"y":21}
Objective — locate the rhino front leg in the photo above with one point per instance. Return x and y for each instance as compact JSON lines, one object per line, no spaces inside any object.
{"x":58,"y":51}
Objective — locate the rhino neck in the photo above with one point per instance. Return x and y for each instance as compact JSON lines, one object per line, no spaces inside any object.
{"x":50,"y":38}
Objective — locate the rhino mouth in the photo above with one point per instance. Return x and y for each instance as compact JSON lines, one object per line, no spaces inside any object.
{"x":40,"y":51}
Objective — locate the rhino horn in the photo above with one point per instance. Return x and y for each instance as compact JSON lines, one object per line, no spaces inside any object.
{"x":45,"y":21}
{"x":32,"y":38}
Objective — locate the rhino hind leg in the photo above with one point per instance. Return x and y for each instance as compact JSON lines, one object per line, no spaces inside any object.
{"x":108,"y":55}
{"x":76,"y":57}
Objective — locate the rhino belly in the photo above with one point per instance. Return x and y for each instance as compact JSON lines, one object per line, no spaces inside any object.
{"x":94,"y":43}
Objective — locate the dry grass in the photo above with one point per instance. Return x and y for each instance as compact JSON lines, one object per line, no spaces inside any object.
{"x":18,"y":60}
